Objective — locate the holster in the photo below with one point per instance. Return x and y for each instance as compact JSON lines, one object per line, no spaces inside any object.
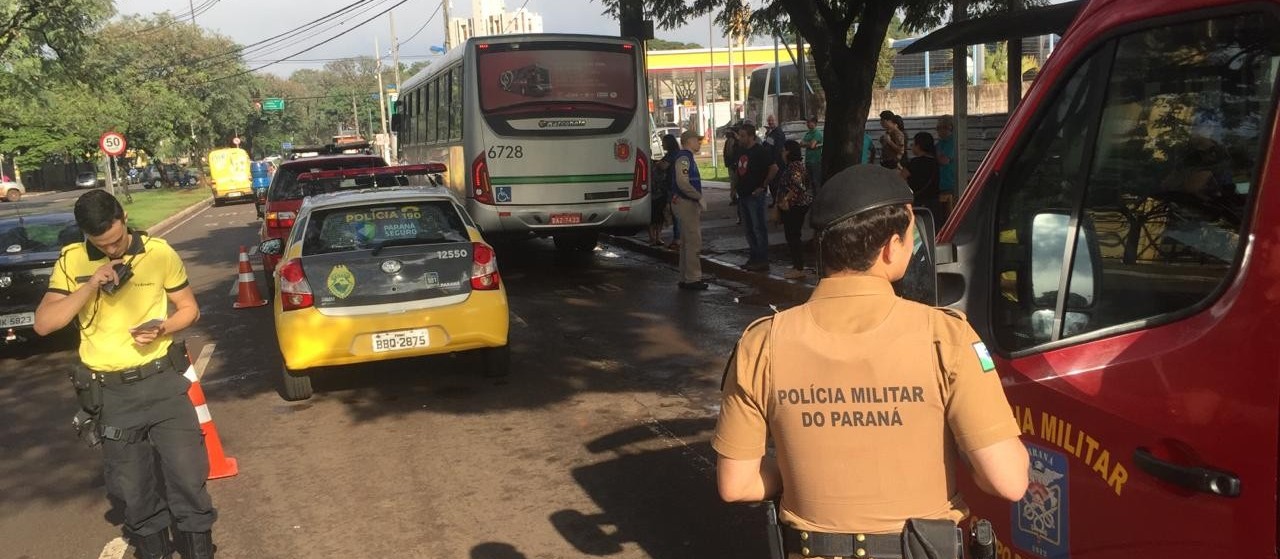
{"x":178,"y":355}
{"x":982,"y":540}
{"x":773,"y":531}
{"x":88,"y":387}
{"x":931,"y":539}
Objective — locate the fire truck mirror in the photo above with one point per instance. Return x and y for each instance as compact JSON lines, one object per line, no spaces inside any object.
{"x":920,"y":283}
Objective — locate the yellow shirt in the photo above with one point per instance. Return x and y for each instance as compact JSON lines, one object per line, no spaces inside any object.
{"x":867,"y":397}
{"x":105,"y":342}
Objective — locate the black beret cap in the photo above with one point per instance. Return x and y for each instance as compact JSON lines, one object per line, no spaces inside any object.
{"x":855,"y":190}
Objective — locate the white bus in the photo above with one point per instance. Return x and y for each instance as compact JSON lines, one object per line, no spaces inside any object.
{"x":543,"y":134}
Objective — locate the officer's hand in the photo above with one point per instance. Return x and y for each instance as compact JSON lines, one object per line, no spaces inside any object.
{"x":104,"y":275}
{"x":146,"y":336}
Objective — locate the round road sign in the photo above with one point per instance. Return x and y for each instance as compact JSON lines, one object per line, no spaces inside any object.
{"x":236,"y":141}
{"x":112,"y":143}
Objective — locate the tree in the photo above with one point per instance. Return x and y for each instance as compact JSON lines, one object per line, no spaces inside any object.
{"x":661,"y":44}
{"x":38,"y":36}
{"x":845,"y":37}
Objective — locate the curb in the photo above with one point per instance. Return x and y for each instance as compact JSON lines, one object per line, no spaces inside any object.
{"x":163,"y":227}
{"x":770,"y":284}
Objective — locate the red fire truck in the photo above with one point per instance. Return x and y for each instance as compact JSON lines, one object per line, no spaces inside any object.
{"x":1116,"y":250}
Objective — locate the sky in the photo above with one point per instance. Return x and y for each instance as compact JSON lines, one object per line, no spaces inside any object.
{"x":248,"y":21}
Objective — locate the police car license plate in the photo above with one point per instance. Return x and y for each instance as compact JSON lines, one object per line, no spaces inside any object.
{"x":16,"y":320}
{"x":400,"y":340}
{"x":563,"y":219}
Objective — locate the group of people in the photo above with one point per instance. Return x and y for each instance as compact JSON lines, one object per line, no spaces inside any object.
{"x":926,"y":162}
{"x":775,"y":179}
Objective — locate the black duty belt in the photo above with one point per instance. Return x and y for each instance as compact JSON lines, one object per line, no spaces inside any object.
{"x":856,"y":546}
{"x":130,"y":376}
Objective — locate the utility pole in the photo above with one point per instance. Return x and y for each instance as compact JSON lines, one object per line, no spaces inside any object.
{"x":382,"y":106}
{"x":355,"y":114}
{"x":448,"y":44}
{"x":191,"y":6}
{"x":395,"y":50}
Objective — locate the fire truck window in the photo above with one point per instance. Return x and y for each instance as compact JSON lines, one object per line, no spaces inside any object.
{"x":1047,"y":174}
{"x":1183,"y":128}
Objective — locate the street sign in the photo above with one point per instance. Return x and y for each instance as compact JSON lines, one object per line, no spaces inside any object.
{"x":273,"y":104}
{"x":112,"y":143}
{"x":286,"y":146}
{"x":235,"y":141}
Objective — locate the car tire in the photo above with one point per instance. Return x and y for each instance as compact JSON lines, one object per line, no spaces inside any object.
{"x":297,"y":385}
{"x":497,"y":361}
{"x":13,"y":195}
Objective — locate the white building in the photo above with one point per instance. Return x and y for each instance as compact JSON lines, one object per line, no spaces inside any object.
{"x":490,"y":17}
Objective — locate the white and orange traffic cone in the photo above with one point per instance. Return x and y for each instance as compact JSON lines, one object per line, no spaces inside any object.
{"x":249,"y":296}
{"x":220,"y":465}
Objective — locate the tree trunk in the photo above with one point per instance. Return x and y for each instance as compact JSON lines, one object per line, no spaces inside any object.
{"x":848,"y":72}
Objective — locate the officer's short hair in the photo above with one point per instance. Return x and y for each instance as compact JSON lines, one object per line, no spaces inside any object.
{"x":854,"y":244}
{"x":688,"y":135}
{"x":96,"y":211}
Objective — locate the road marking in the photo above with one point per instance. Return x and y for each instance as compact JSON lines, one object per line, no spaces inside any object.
{"x":183,"y":222}
{"x":206,"y":353}
{"x":516,"y":318}
{"x":115,"y":549}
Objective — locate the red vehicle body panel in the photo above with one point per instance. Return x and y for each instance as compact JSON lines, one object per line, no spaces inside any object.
{"x":1200,"y":391}
{"x":269,"y":262}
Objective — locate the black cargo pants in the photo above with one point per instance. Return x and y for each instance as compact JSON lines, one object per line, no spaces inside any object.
{"x":161,"y":477}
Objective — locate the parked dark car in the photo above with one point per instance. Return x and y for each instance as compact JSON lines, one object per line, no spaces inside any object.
{"x":29,"y":247}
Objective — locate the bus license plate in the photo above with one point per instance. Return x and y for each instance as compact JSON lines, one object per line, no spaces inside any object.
{"x":565,"y":219}
{"x":399,"y":340}
{"x":16,"y":320}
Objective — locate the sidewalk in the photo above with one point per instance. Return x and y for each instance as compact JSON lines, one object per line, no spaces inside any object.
{"x":724,"y":247}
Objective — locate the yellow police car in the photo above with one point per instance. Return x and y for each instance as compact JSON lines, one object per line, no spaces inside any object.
{"x":371,"y":274}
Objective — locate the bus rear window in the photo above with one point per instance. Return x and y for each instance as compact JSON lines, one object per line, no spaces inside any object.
{"x":536,"y":75}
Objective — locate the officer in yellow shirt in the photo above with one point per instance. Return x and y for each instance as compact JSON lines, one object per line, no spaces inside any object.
{"x":870,"y":400}
{"x":118,"y":286}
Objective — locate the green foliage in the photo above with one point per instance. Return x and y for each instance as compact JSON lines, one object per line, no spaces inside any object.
{"x":661,"y":44}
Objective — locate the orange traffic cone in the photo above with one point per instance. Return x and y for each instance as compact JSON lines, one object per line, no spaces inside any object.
{"x":220,"y":465}
{"x":249,"y":295}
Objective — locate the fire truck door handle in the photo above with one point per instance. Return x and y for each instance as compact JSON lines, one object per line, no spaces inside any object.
{"x":1205,"y":480}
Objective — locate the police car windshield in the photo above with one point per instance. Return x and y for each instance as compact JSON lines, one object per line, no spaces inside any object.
{"x":379,"y":226}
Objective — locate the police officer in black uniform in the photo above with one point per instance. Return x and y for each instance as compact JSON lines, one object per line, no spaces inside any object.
{"x":118,"y":285}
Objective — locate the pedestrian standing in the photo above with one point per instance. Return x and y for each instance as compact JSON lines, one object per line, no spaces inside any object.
{"x":774,"y":139}
{"x":731,"y":153}
{"x":756,"y":170}
{"x":812,"y":141}
{"x":870,"y":400}
{"x":795,"y":194}
{"x":947,"y":178}
{"x":921,"y":172}
{"x":660,"y":191}
{"x":893,"y":142}
{"x":118,"y":286}
{"x":687,"y":205}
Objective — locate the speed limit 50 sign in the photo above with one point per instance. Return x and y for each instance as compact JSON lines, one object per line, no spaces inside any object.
{"x":112,"y":143}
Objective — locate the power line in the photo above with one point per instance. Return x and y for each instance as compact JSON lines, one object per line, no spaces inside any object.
{"x":425,"y":24}
{"x":306,"y":50}
{"x":198,"y":9}
{"x":293,"y":31}
{"x":319,"y":30}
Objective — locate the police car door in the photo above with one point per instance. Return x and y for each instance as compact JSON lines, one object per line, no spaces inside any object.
{"x":1143,"y":372}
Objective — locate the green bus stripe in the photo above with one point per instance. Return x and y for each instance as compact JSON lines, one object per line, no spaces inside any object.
{"x":553,"y":179}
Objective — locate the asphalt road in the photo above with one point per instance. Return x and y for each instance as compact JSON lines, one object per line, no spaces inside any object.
{"x":596,"y":446}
